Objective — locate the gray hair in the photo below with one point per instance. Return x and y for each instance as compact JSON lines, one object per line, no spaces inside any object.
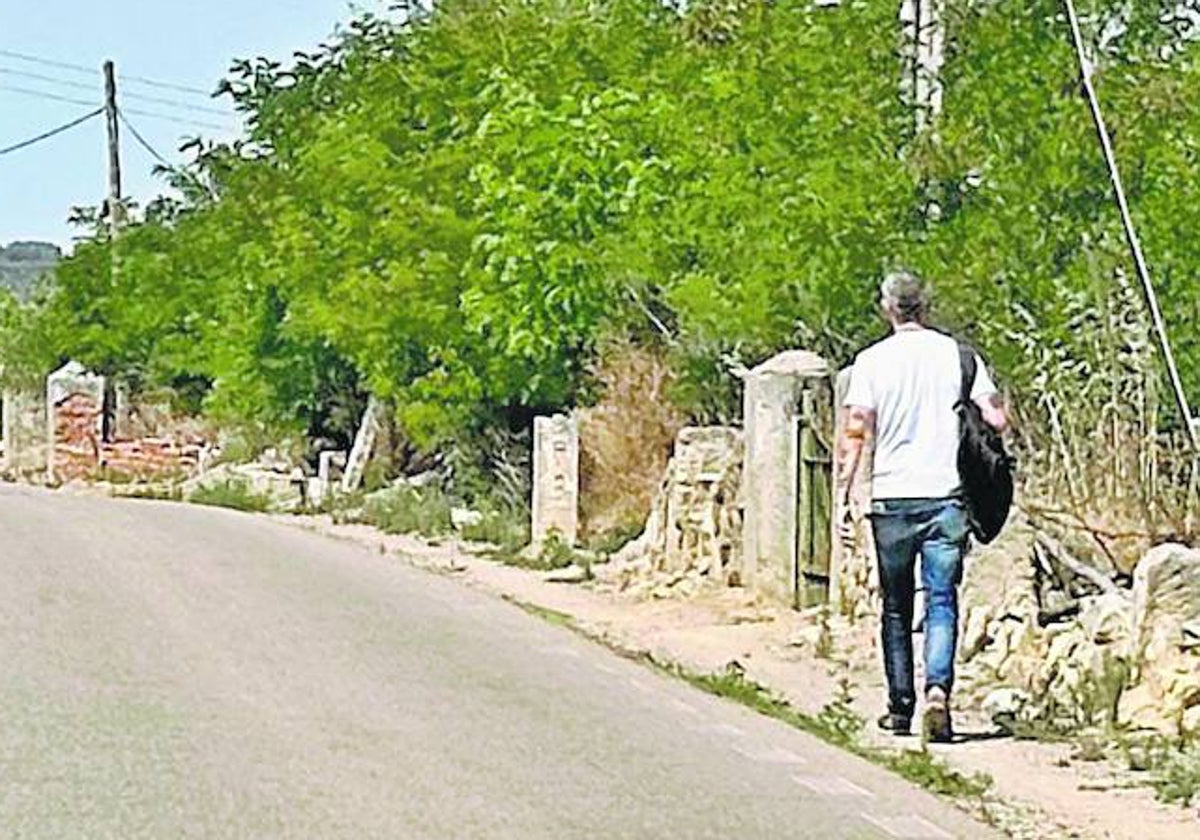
{"x":904,"y":296}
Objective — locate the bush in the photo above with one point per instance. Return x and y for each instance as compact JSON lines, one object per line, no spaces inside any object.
{"x":504,"y":526}
{"x":1178,"y":779}
{"x":408,"y":510}
{"x":232,"y":493}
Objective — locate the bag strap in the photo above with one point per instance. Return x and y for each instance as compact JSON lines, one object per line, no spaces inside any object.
{"x":966,"y":362}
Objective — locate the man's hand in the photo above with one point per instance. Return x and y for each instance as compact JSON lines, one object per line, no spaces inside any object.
{"x":994,"y":412}
{"x":847,"y":531}
{"x":858,"y":428}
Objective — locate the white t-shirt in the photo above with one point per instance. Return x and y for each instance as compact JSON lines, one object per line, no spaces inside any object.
{"x":912,"y":380}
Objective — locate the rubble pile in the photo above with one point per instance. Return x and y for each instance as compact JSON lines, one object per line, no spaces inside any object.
{"x":1055,"y":640}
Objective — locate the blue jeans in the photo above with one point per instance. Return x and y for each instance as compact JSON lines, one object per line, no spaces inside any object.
{"x":935,"y":529}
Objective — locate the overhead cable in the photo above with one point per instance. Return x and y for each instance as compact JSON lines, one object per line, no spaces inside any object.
{"x":41,"y":94}
{"x":142,"y":140}
{"x":46,"y":62}
{"x":141,"y":80}
{"x":1135,"y":244}
{"x":180,"y":170}
{"x":174,"y":118}
{"x":39,"y":77}
{"x":141,"y":97}
{"x":24,"y":144}
{"x":175,"y":103}
{"x":79,"y":68}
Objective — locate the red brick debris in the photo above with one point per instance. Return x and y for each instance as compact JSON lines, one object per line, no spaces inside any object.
{"x":80,"y":454}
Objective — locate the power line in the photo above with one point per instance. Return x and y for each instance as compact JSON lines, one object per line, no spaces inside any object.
{"x":191,"y":176}
{"x":45,"y":62}
{"x":79,"y":68}
{"x":51,"y":133}
{"x":174,"y":103}
{"x":24,"y":74}
{"x":157,"y":100}
{"x":178,"y":120}
{"x":142,"y":140}
{"x":140,"y":80}
{"x":41,"y":94}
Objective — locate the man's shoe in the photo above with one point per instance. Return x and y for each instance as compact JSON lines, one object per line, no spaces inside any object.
{"x":937,"y":728}
{"x":896,"y":724}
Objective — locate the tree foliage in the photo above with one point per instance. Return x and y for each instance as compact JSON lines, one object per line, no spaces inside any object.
{"x":453,"y":209}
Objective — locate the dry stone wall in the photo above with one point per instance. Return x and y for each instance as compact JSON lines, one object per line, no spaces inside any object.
{"x":694,"y":532}
{"x":1049,"y":642}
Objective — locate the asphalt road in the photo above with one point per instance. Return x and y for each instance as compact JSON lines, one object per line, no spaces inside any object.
{"x":169,"y":671}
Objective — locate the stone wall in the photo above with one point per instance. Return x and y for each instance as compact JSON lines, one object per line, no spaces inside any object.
{"x":24,"y":434}
{"x":72,"y":436}
{"x":1048,"y":641}
{"x":853,"y":573}
{"x":694,"y":531}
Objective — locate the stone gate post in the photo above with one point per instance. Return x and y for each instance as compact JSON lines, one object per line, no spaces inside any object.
{"x":555,"y":479}
{"x":773,"y":475}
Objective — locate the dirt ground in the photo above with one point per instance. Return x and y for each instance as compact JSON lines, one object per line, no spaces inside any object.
{"x":1040,"y":790}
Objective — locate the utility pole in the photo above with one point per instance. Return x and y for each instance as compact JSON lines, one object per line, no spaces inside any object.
{"x":116,"y":217}
{"x":115,"y":208}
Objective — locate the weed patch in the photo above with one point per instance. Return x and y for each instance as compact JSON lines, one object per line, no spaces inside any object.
{"x":408,"y":510}
{"x":1177,"y":778}
{"x":152,"y":492}
{"x":234,"y":494}
{"x":559,"y":619}
{"x":503,"y":526}
{"x":839,"y":725}
{"x":614,"y":539}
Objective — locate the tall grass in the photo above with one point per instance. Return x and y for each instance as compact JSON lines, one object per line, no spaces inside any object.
{"x":626,"y":438}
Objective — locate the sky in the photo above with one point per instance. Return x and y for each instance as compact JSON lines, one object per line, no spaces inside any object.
{"x":184,"y":43}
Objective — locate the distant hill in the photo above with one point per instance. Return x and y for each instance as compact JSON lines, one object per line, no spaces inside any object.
{"x":22,"y":263}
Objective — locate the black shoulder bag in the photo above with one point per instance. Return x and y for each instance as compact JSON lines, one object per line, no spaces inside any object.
{"x":984,"y":467}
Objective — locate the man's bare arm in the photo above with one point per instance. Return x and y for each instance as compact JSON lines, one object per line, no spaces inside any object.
{"x":858,"y":427}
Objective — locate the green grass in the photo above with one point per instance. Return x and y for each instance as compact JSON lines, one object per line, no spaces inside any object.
{"x":152,"y":492}
{"x":409,"y":510}
{"x":839,"y":725}
{"x":503,"y":526}
{"x":1172,"y":767}
{"x":613,"y":540}
{"x":558,"y":619}
{"x":1177,"y":777}
{"x":232,"y":493}
{"x":554,"y":554}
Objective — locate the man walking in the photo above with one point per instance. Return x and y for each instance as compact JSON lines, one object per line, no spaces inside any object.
{"x":902,"y":396}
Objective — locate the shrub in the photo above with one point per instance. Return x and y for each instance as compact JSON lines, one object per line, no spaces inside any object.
{"x":407,"y":510}
{"x":503,"y":526}
{"x":232,"y":493}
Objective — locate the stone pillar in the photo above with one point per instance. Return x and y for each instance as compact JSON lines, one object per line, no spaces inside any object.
{"x":74,"y":420}
{"x":331,"y":466}
{"x":24,"y":433}
{"x":853,"y":575}
{"x":774,"y":398}
{"x":555,"y":478}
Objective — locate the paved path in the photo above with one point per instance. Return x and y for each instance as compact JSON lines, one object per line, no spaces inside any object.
{"x":169,"y":671}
